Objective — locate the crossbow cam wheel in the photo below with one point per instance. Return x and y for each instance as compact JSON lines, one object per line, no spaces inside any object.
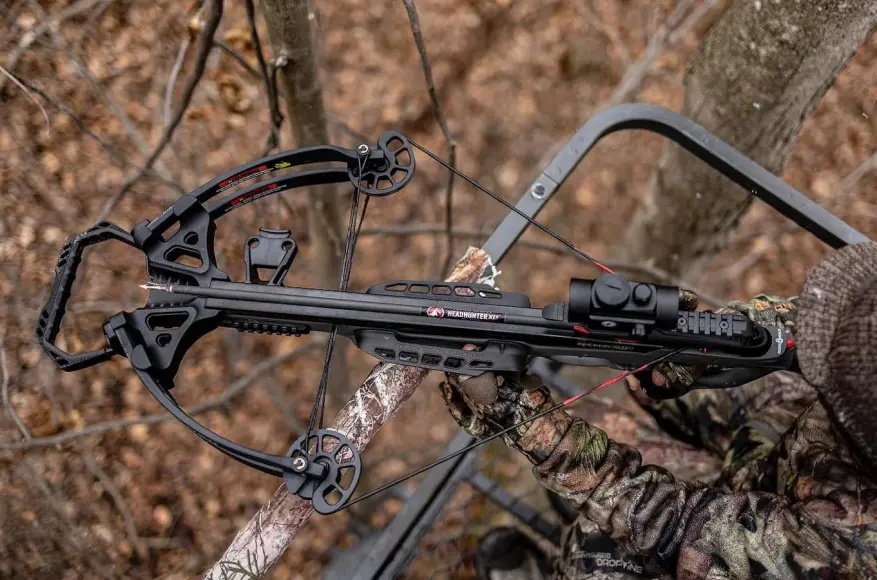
{"x":341,"y":466}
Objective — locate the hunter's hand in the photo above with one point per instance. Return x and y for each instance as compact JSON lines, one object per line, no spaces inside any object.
{"x":765,"y":310}
{"x":491,"y":402}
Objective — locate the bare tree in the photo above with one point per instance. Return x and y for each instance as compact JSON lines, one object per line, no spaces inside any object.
{"x":756,"y":79}
{"x":290,"y":27}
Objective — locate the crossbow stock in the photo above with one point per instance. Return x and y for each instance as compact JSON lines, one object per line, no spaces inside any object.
{"x":457,"y":328}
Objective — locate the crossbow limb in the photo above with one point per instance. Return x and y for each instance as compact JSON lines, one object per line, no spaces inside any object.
{"x":452,"y":327}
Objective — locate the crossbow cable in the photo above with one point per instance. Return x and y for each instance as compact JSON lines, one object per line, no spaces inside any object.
{"x":323,"y":465}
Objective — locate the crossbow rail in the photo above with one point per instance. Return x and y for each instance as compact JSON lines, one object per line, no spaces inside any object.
{"x":391,"y":551}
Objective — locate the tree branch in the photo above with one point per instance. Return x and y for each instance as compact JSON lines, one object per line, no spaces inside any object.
{"x":439,"y":113}
{"x":594,"y":19}
{"x":276,"y":116}
{"x":30,"y":97}
{"x":205,"y":45}
{"x":224,"y":47}
{"x":110,"y":150}
{"x":82,"y":68}
{"x":46,"y":24}
{"x":269,"y":78}
{"x":233,"y":390}
{"x":4,"y":392}
{"x":117,"y":499}
{"x":839,"y":199}
{"x":339,"y":122}
{"x":172,"y":80}
{"x":636,"y":73}
{"x":261,"y":542}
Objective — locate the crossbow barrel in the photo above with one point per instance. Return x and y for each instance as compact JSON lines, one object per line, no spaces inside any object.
{"x":287,"y":514}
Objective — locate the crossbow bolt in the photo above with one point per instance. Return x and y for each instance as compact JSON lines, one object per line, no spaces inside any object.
{"x":154,"y":286}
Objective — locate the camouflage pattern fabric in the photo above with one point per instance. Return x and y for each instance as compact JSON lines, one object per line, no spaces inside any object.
{"x":794,"y":498}
{"x":764,"y":310}
{"x":588,"y":554}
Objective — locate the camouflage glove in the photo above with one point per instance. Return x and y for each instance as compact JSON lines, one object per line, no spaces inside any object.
{"x":764,"y":310}
{"x":489,"y":403}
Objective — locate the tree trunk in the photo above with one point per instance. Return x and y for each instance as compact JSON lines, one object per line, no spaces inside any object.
{"x":292,"y":40}
{"x":759,"y":74}
{"x":295,"y":54}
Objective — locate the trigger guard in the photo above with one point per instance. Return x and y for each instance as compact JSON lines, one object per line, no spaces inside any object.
{"x":722,"y":379}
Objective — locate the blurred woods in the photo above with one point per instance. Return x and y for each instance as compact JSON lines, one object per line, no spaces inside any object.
{"x":114,"y":108}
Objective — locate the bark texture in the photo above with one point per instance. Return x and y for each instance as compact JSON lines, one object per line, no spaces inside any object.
{"x":294,"y":47}
{"x":290,"y":27}
{"x":263,"y":540}
{"x":756,"y":79}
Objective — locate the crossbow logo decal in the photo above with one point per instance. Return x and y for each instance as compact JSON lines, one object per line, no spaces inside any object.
{"x":432,"y":325}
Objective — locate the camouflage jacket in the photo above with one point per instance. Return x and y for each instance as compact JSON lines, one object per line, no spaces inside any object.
{"x":793,"y":498}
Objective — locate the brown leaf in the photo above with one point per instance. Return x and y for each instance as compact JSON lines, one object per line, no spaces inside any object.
{"x":239,"y":38}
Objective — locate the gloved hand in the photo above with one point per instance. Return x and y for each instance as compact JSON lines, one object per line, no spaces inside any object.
{"x":670,"y":379}
{"x":491,"y":402}
{"x":488,"y":403}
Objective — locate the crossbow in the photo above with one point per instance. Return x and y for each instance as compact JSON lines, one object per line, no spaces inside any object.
{"x":462,"y":328}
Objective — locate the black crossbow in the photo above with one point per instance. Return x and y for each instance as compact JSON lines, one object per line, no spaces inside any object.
{"x":453,"y":327}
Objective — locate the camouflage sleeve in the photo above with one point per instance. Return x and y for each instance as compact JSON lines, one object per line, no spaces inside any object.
{"x":810,"y":512}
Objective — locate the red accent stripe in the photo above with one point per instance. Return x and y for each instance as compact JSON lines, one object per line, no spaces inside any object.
{"x":605,"y":384}
{"x":253,"y":193}
{"x":234,"y":178}
{"x":603,"y":267}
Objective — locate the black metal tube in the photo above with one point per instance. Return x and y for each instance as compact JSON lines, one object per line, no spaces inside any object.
{"x":250,"y":299}
{"x":698,"y":141}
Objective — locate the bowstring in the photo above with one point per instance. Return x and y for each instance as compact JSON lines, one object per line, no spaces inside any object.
{"x":509,"y":206}
{"x":353,"y":234}
{"x":563,"y":404}
{"x":346,"y":263}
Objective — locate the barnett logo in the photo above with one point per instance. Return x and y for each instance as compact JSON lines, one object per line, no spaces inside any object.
{"x":435,"y":312}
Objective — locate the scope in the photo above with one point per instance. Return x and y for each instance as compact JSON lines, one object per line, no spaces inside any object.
{"x":614,"y":303}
